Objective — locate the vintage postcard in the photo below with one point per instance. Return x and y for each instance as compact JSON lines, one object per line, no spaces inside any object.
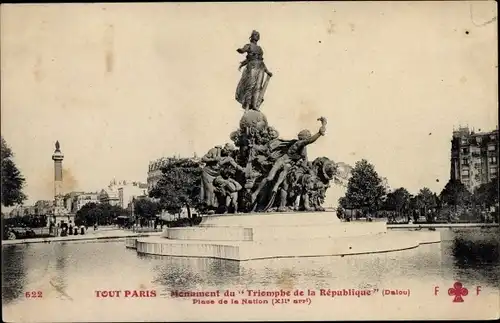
{"x":249,"y":161}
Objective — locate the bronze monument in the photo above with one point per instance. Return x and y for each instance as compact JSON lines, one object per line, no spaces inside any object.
{"x":247,"y":176}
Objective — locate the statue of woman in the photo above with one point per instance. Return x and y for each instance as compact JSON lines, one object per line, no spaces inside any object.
{"x":248,"y":92}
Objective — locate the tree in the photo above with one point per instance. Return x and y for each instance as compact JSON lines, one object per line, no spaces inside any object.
{"x":398,"y":201}
{"x":146,"y":208}
{"x":87,"y":215}
{"x":342,"y":209}
{"x":12,"y":179}
{"x":426,"y":200}
{"x":455,"y":194}
{"x":439,"y":203}
{"x":102,"y":214}
{"x":486,"y":195}
{"x":364,"y":189}
{"x":179,"y":186}
{"x":109,"y":212}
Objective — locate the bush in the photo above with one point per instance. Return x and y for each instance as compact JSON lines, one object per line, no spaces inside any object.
{"x":184,"y":222}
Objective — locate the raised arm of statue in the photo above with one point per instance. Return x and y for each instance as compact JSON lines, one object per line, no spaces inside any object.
{"x":323,"y":121}
{"x":244,"y":49}
{"x":321,"y":132}
{"x":312,"y":139}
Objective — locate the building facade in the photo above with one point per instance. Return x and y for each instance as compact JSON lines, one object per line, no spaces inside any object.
{"x":109,"y":195}
{"x":22,"y":210}
{"x":474,"y":157}
{"x":44,"y":207}
{"x":82,"y":199}
{"x":69,"y":201}
{"x":74,"y":201}
{"x":127,"y":192}
{"x":154,"y":172}
{"x":121,"y":193}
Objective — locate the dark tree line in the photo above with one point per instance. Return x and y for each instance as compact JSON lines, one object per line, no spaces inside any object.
{"x":30,"y":221}
{"x":100,"y":214}
{"x":146,"y":208}
{"x":366,"y":194}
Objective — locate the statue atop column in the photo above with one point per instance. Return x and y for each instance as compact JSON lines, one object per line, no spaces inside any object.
{"x":253,"y":82}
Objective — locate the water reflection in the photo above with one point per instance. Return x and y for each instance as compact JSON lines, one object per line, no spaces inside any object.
{"x":76,"y":270}
{"x":183,"y":273}
{"x":362,"y":271}
{"x":474,"y":251}
{"x":477,"y":253}
{"x":13,"y":272}
{"x":58,"y":282}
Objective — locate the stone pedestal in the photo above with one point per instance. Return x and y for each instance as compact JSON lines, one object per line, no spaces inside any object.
{"x":278,"y":235}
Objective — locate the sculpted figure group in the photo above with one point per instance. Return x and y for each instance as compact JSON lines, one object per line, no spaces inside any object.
{"x":260,"y":172}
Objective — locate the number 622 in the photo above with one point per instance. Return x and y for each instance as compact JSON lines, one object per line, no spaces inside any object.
{"x":33,"y":294}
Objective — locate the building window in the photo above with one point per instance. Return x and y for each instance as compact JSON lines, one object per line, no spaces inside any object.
{"x":465,"y":161}
{"x":493,"y":171}
{"x":491,"y":148}
{"x":475,"y":151}
{"x":465,"y":151}
{"x":464,"y":141}
{"x":465,"y":172}
{"x":492,"y":159}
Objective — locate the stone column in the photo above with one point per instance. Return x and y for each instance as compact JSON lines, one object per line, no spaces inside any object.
{"x":58,"y":157}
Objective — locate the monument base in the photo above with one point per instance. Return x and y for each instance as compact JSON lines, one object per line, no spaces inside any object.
{"x":279,"y":235}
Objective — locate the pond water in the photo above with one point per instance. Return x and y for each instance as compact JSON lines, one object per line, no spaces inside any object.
{"x":70,"y":274}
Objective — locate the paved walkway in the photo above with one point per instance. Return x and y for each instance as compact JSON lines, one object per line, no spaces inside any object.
{"x":90,"y":235}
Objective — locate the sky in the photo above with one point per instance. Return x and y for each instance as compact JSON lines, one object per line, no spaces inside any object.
{"x":122,"y":84}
